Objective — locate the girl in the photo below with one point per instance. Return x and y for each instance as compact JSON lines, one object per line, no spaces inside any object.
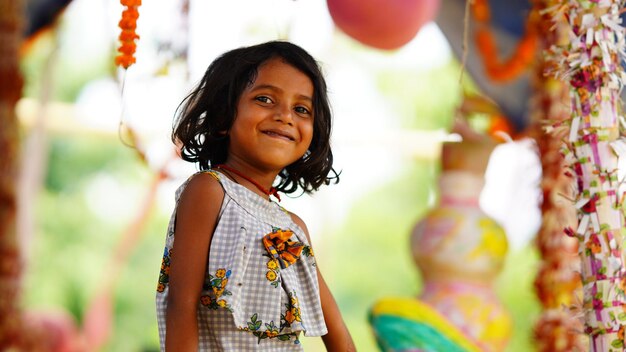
{"x":238,"y":272}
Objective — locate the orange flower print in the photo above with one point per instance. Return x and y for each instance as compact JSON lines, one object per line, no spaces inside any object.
{"x":220,"y":273}
{"x":290,"y":317}
{"x":205,"y":300}
{"x":620,"y":332}
{"x":292,"y":313}
{"x":160,"y":287}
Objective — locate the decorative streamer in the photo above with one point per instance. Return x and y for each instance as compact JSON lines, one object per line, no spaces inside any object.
{"x":128,"y":35}
{"x":557,"y":285}
{"x":590,"y":62}
{"x":496,"y":69}
{"x":11,"y":25}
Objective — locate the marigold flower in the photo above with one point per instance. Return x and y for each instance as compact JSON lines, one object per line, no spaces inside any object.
{"x":127,"y":37}
{"x":127,"y":23}
{"x":130,"y":2}
{"x":124,"y":60}
{"x":127,"y":48}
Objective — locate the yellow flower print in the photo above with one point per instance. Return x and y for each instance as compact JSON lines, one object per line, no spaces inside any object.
{"x":271,"y":333}
{"x":296,"y":313}
{"x":271,"y":275}
{"x":221,"y":303}
{"x":272,"y":264}
{"x":220,"y":273}
{"x":224,"y":282}
{"x":294,"y":301}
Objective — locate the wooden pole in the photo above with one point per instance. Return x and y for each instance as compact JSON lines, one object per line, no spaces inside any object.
{"x":11,"y":24}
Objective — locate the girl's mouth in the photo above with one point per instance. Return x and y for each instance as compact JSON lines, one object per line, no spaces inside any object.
{"x":279,"y":134}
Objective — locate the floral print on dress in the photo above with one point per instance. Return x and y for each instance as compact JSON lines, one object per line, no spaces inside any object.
{"x":217,"y":283}
{"x":292,"y":314}
{"x":164,"y":275}
{"x":271,"y":331}
{"x":272,"y":274}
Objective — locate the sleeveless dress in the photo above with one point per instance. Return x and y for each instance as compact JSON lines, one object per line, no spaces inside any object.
{"x":260,"y":287}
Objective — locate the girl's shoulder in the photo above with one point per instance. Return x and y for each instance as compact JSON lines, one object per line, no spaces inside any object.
{"x":203,"y":184}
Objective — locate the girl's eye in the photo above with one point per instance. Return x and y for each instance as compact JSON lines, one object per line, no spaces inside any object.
{"x":264,"y":99}
{"x":302,"y":110}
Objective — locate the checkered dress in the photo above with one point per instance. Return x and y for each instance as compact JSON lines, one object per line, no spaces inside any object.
{"x":250,"y":301}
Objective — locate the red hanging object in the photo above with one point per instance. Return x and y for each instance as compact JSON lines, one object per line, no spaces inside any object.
{"x":382,"y":24}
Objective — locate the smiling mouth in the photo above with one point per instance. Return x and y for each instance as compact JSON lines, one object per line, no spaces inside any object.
{"x":279,"y":135}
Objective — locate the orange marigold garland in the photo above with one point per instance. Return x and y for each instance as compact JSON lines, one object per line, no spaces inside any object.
{"x":128,"y":36}
{"x":496,"y":69}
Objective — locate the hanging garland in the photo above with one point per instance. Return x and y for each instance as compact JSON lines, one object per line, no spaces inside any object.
{"x":128,"y":35}
{"x":557,"y":284}
{"x":590,"y":62}
{"x":502,"y":70}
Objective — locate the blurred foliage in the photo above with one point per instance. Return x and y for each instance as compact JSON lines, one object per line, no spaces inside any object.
{"x":69,"y":73}
{"x":73,"y":244}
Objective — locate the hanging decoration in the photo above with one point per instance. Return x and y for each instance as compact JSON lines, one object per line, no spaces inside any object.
{"x":497,"y":69}
{"x":382,"y":24}
{"x":590,"y":61}
{"x":557,"y":285}
{"x":128,"y":35}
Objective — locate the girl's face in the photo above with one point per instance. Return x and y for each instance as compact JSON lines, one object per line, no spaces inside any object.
{"x":274,"y":122}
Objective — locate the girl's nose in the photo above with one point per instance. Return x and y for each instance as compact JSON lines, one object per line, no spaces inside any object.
{"x":284,"y":114}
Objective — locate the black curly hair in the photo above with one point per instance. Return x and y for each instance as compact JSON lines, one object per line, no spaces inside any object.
{"x":210,"y":110}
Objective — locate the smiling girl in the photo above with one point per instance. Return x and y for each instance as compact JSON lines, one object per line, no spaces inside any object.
{"x":238,"y":271}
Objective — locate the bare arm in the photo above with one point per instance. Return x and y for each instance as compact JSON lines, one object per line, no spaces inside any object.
{"x":196,"y":218}
{"x":338,"y":338}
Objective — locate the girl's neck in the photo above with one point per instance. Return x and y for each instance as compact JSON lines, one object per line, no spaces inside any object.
{"x":258,"y":182}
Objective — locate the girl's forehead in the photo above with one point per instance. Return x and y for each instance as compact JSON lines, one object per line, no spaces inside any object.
{"x":277,"y":69}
